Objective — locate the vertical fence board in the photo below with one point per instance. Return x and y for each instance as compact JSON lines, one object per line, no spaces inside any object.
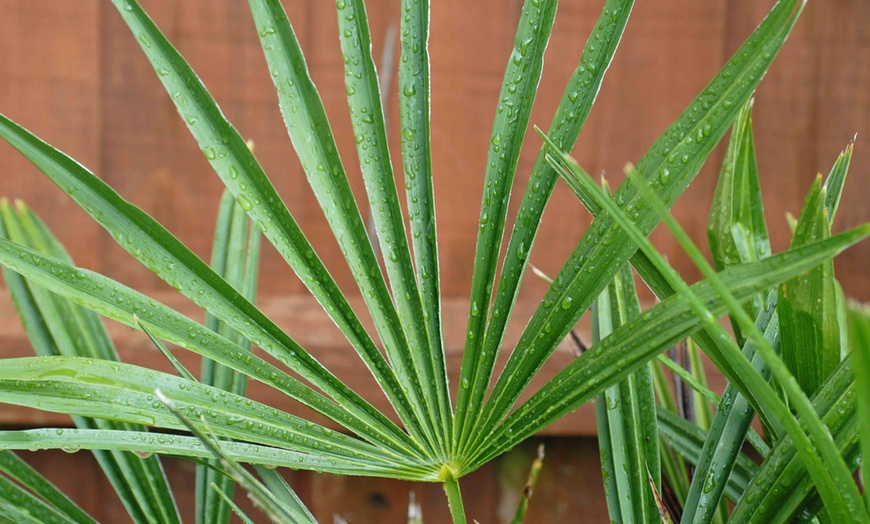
{"x":50,"y":83}
{"x":72,"y":73}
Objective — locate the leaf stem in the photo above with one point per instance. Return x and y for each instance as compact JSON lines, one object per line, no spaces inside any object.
{"x":454,"y":497}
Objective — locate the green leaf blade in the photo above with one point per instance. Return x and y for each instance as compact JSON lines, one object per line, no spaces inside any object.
{"x":736,"y":230}
{"x":520,"y":85}
{"x":263,"y":498}
{"x":627,"y":428}
{"x":367,"y":117}
{"x":141,"y":484}
{"x":657,"y":329}
{"x":279,"y":487}
{"x":670,"y":164}
{"x":859,"y":330}
{"x":26,"y":476}
{"x":235,"y":256}
{"x":171,"y":260}
{"x":571,"y":114}
{"x":688,"y":440}
{"x":717,"y":460}
{"x":169,"y":444}
{"x":808,"y":305}
{"x":781,"y":488}
{"x":414,"y":119}
{"x":836,"y":180}
{"x":233,"y":161}
{"x":124,"y":393}
{"x":120,"y":303}
{"x":825,"y":464}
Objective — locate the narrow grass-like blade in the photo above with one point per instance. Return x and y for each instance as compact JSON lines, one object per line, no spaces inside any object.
{"x":737,"y":234}
{"x":262,"y":497}
{"x":122,"y":392}
{"x":235,"y":256}
{"x":657,"y":282}
{"x":27,"y":507}
{"x":145,"y":443}
{"x":232,"y":505}
{"x":702,"y":411}
{"x":308,"y":126}
{"x":719,"y":457}
{"x":140,"y":484}
{"x":179,"y":367}
{"x":528,"y":490}
{"x":674,"y":469}
{"x":577,"y":101}
{"x":414,"y":116}
{"x":808,"y":305}
{"x":367,"y":116}
{"x":688,"y":440}
{"x":781,"y":487}
{"x":859,"y":330}
{"x":712,"y":399}
{"x":120,"y":303}
{"x":29,"y":478}
{"x":65,"y":324}
{"x":518,"y":90}
{"x":835,"y":181}
{"x":657,"y":329}
{"x":281,"y":490}
{"x":817,"y":449}
{"x":670,"y":164}
{"x":819,"y":435}
{"x":736,"y":230}
{"x":690,"y":379}
{"x":625,"y":414}
{"x":13,"y":513}
{"x":171,"y":260}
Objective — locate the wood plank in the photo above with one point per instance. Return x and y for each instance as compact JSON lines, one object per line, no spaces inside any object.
{"x":568,"y":489}
{"x":148,"y":153}
{"x":808,"y":107}
{"x":303,"y":319}
{"x":111,"y":113}
{"x":841,"y":41}
{"x":50,"y":84}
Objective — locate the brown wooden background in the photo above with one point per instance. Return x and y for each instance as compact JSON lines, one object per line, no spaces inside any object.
{"x":71,"y":72}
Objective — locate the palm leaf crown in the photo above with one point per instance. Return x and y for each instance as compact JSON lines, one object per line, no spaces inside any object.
{"x":443,"y":432}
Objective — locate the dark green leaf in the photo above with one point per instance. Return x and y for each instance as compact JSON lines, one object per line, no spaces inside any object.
{"x":627,"y":432}
{"x":515,"y":103}
{"x":671,"y":163}
{"x":808,"y":312}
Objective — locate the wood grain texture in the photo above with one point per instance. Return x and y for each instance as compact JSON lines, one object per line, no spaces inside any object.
{"x":86,"y":88}
{"x":72,"y":73}
{"x":50,"y":82}
{"x":308,"y":325}
{"x":565,"y":490}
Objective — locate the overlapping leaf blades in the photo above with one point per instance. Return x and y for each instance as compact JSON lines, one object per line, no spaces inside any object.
{"x":435,"y":444}
{"x":235,"y":256}
{"x":671,"y":164}
{"x":577,"y":100}
{"x":815,"y":443}
{"x":56,"y":326}
{"x":625,"y":414}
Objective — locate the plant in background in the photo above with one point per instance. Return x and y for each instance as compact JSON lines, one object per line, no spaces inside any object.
{"x":789,"y":362}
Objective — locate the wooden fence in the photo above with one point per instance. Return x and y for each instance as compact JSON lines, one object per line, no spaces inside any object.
{"x":72,"y":73}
